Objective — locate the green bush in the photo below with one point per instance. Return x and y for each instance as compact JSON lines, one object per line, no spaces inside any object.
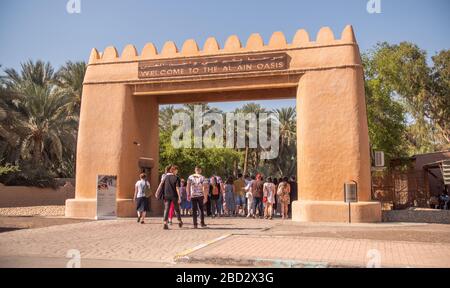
{"x":4,"y":170}
{"x":27,"y":175}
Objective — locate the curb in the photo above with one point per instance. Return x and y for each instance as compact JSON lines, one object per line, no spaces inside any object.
{"x":183,"y":256}
{"x":272,"y":263}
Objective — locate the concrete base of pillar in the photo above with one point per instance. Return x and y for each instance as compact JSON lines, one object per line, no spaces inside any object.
{"x":81,"y":208}
{"x":87,"y":208}
{"x":334,"y":211}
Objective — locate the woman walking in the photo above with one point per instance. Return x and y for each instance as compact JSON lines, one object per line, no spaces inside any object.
{"x":159,"y":192}
{"x":284,"y":191}
{"x":215,"y":191}
{"x":249,"y":196}
{"x":141,"y":190}
{"x":229,"y":197}
{"x":185,"y":199}
{"x":269,"y":198}
{"x":280,"y":180}
{"x":171,"y":194}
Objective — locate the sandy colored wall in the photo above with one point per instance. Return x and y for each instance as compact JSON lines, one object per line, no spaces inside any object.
{"x":333,"y":144}
{"x":140,"y":125}
{"x":19,"y":196}
{"x":99,"y":136}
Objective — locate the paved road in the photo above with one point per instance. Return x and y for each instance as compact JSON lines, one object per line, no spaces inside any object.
{"x":123,"y":242}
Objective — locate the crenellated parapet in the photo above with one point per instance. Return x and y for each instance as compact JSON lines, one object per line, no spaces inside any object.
{"x":325,"y":37}
{"x":300,"y":55}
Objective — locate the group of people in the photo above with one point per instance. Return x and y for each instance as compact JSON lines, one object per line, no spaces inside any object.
{"x":441,"y":201}
{"x":444,"y":200}
{"x":210,"y":196}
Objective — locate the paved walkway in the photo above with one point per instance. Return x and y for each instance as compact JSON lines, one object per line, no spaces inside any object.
{"x":229,"y":241}
{"x":282,"y":251}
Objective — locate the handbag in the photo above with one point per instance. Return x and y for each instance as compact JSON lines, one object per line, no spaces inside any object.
{"x":159,"y":194}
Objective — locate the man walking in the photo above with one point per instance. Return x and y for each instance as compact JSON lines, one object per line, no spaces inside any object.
{"x":197,"y":187}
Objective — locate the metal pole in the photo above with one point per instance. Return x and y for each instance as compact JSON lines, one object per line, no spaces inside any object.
{"x":349,"y":213}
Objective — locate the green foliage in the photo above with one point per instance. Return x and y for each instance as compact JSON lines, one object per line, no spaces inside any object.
{"x":218,"y":161}
{"x":386,"y":116}
{"x":29,"y":175}
{"x":286,"y":162}
{"x":39,"y":111}
{"x":5,"y":170}
{"x":226,"y":161}
{"x":70,"y":83}
{"x":408,"y":101}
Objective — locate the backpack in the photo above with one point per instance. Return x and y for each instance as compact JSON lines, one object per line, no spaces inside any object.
{"x":146,"y":189}
{"x":217,"y":190}
{"x":160,"y":191}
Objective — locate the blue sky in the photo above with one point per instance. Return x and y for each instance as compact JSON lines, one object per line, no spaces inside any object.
{"x":43,"y":29}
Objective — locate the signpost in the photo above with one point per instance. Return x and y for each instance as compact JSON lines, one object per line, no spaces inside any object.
{"x":106,"y":197}
{"x":350,"y":196}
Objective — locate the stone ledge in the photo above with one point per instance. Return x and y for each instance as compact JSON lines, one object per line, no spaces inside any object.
{"x":334,"y":211}
{"x":417,"y":215}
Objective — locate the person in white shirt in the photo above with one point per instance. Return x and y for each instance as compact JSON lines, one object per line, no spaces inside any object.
{"x":141,"y":194}
{"x":249,"y":196}
{"x":269,"y":191}
{"x":197,"y":188}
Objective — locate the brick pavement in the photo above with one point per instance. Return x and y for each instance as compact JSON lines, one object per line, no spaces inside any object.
{"x":344,"y":245}
{"x":122,"y":239}
{"x":261,"y":250}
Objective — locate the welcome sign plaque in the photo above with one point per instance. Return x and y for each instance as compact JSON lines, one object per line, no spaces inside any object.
{"x":213,"y":65}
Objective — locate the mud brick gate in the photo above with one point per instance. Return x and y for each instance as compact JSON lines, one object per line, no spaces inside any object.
{"x":121,"y":98}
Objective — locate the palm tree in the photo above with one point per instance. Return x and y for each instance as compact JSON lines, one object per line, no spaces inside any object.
{"x":70,"y":82}
{"x":9,"y":121}
{"x":165,"y":117}
{"x":285,"y":163}
{"x":189,"y":109}
{"x":286,"y":118}
{"x":39,"y":73}
{"x":46,"y":127}
{"x":45,"y":130}
{"x":256,"y":109}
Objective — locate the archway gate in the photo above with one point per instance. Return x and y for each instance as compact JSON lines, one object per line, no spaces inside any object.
{"x":121,"y":97}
